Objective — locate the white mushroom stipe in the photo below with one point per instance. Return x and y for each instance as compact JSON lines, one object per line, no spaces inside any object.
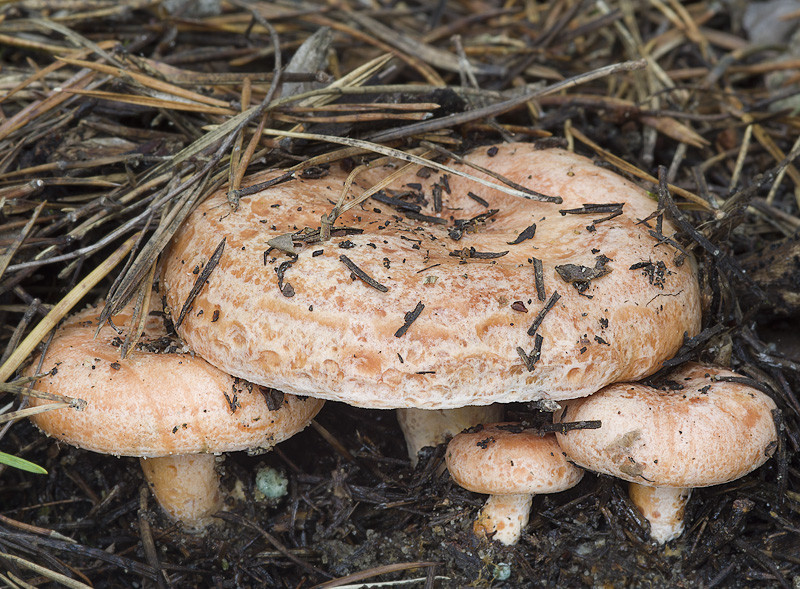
{"x":431,"y":427}
{"x":662,"y":507}
{"x":503,"y":517}
{"x":186,"y":486}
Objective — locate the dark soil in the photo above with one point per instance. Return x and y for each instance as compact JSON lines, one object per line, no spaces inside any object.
{"x":345,"y":515}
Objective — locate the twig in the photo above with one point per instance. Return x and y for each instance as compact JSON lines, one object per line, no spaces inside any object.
{"x":201,"y":281}
{"x":505,"y":106}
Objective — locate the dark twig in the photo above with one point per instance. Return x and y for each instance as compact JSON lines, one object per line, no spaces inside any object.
{"x":763,"y":561}
{"x":200,"y":282}
{"x":543,"y":312}
{"x":410,"y":317}
{"x":146,"y":535}
{"x":569,"y":426}
{"x":361,"y":275}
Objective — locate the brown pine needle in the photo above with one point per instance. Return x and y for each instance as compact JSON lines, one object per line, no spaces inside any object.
{"x":28,"y":412}
{"x":44,"y":571}
{"x":64,"y":306}
{"x":152,"y":102}
{"x":148,"y":82}
{"x":374,"y":572}
{"x":634,"y":171}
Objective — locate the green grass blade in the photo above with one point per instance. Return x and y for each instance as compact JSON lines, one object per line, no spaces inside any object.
{"x":21,"y":463}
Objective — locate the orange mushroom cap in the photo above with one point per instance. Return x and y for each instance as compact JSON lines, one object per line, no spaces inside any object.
{"x":698,"y":431}
{"x":161,"y":404}
{"x":160,"y":400}
{"x":455,"y":302}
{"x":504,"y":459}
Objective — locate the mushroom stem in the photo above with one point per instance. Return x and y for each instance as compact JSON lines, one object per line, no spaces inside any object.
{"x":186,"y":487}
{"x":663,"y":507}
{"x":503,"y":517}
{"x":431,"y":427}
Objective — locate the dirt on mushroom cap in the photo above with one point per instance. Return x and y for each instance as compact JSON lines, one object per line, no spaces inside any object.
{"x":336,"y":337}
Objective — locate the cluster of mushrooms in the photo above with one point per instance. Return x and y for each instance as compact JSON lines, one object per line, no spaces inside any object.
{"x":443,"y":297}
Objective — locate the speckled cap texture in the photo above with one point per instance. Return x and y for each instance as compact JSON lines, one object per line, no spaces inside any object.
{"x":159,"y":401}
{"x":458,"y":293}
{"x":706,"y":432}
{"x":504,"y":459}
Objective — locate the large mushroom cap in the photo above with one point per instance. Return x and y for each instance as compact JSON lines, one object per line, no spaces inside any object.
{"x":698,"y":432}
{"x":467,"y":311}
{"x":505,"y":459}
{"x":159,"y":401}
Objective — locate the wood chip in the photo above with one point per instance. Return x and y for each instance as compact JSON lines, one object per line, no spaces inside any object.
{"x":410,"y":317}
{"x":527,"y":233}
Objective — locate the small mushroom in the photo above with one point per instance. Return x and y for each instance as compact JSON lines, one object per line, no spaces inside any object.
{"x":168,"y":407}
{"x":511,"y":464}
{"x":697,"y":430}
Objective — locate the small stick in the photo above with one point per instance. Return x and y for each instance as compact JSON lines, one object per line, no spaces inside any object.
{"x":540,"y":317}
{"x":538,"y":276}
{"x":569,"y":426}
{"x":410,"y":317}
{"x":361,"y":275}
{"x":201,"y":280}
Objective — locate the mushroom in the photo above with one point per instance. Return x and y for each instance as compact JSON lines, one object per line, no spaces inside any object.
{"x":511,"y":464}
{"x":170,"y":408}
{"x":440,"y":293}
{"x":697,"y":430}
